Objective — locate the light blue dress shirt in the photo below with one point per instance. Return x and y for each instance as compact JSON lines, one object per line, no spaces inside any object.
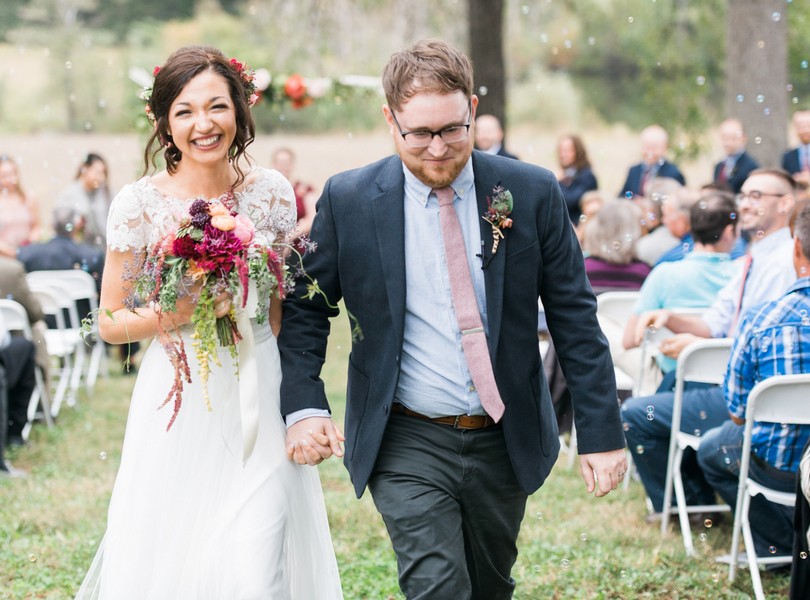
{"x":434,"y":379}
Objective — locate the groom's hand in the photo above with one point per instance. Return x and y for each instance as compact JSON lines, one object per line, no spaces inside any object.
{"x":603,"y":471}
{"x":310,"y":441}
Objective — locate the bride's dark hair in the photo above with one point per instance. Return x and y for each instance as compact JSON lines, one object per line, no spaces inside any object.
{"x":180,"y":68}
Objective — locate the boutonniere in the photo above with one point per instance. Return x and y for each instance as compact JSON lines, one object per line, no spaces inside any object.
{"x":497,"y":215}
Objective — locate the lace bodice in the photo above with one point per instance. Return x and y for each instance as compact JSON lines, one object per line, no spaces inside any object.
{"x":141,"y":215}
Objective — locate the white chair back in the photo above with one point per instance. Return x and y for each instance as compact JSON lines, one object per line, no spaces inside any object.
{"x":783,"y":399}
{"x":704,"y":361}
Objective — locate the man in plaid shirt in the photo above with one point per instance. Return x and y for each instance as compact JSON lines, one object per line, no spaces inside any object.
{"x":774,"y":339}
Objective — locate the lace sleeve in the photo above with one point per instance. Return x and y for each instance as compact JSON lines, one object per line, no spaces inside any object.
{"x":270,"y":202}
{"x":126,"y":223}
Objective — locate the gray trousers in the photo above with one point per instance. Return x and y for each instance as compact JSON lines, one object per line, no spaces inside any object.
{"x":452,"y":507}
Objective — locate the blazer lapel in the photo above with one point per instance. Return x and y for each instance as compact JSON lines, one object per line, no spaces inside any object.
{"x":486,"y":179}
{"x":389,"y":225}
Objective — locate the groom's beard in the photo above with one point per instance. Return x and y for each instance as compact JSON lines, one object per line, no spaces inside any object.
{"x":437,"y":172}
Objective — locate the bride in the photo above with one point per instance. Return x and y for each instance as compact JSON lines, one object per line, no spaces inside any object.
{"x":211,"y":508}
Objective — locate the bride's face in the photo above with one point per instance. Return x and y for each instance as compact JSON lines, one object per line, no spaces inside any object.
{"x":202,"y":119}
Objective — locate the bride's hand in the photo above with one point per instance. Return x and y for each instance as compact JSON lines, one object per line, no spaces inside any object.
{"x":185,"y":306}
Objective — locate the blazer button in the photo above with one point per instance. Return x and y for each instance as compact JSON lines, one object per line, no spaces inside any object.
{"x":385,"y":410}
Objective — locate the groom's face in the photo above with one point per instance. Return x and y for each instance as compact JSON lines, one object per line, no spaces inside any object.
{"x":440,"y":162}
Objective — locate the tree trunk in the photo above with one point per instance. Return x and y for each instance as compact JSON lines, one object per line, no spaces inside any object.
{"x":757,"y":74}
{"x":486,"y":52}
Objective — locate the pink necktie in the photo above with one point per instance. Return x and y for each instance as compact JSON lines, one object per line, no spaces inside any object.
{"x":473,"y":339}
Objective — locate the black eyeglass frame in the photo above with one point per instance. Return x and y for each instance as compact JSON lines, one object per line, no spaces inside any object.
{"x":441,"y":133}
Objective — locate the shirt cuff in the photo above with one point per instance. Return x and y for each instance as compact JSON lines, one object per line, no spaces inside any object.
{"x":305,"y":413}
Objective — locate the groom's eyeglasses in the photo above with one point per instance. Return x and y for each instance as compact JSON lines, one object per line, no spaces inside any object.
{"x":423,"y":138}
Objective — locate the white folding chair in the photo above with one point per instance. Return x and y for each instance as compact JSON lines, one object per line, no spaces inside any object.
{"x":16,"y":319}
{"x":62,"y":342}
{"x":704,"y":361}
{"x":81,"y":286}
{"x":782,"y":399}
{"x":613,"y":310}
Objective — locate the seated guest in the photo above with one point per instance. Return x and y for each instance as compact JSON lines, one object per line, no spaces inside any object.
{"x":676,"y":220}
{"x":797,"y":161}
{"x":694,"y":281}
{"x":610,"y":248}
{"x":655,"y":239}
{"x":14,"y":286}
{"x":63,"y":251}
{"x":675,"y":217}
{"x":590,"y":204}
{"x":89,"y":195}
{"x":764,"y":206}
{"x":284,"y":160}
{"x":489,"y":136}
{"x":19,"y":213}
{"x":575,"y":176}
{"x":730,"y":172}
{"x":17,"y":359}
{"x":654,"y":144}
{"x":773,"y":339}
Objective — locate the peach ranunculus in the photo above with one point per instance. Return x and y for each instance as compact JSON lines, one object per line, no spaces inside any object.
{"x":223,"y":222}
{"x":243,"y":229}
{"x":217,"y":209}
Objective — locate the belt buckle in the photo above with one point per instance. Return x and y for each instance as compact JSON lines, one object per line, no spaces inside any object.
{"x":456,"y":421}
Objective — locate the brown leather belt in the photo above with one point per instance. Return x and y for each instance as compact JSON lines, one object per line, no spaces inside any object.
{"x":457,"y":422}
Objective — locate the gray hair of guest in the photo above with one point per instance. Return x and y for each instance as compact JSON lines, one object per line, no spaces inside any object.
{"x":660,"y":190}
{"x":611,"y":234}
{"x":801,"y":230}
{"x":64,"y":221}
{"x":710,"y":215}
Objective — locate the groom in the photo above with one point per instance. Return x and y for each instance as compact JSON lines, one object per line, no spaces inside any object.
{"x":448,"y":417}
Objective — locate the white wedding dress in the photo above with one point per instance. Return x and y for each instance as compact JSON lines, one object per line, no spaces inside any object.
{"x":187,"y":519}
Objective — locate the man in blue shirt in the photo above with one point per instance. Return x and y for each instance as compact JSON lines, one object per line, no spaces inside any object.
{"x":774,"y":339}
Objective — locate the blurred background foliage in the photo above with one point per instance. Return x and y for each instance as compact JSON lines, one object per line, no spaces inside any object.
{"x":65,"y":64}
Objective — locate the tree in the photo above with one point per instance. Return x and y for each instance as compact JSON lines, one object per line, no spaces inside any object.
{"x":757,"y":74}
{"x":486,"y":52}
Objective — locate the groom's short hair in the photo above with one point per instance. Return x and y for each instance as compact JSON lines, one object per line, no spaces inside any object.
{"x":429,"y":66}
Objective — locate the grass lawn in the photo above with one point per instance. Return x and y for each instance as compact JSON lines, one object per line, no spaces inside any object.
{"x":571,"y":545}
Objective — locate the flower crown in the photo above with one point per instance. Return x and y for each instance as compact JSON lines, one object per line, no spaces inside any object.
{"x":246,"y":75}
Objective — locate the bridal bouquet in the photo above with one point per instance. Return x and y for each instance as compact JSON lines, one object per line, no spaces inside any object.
{"x":212,"y":251}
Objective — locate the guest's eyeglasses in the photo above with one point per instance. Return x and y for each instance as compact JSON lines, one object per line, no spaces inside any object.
{"x":423,"y":138}
{"x":755,"y":196}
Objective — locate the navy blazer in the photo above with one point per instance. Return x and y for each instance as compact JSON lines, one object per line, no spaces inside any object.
{"x":744,"y":165}
{"x":790,"y":161}
{"x":633,"y":182}
{"x":360,"y":258}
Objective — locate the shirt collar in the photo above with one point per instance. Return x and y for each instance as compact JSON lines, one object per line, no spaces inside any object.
{"x":420,"y":190}
{"x":801,"y":284}
{"x":769,"y":243}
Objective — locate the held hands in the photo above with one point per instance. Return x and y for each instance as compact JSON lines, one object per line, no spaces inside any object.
{"x":311,"y":441}
{"x":603,"y":471}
